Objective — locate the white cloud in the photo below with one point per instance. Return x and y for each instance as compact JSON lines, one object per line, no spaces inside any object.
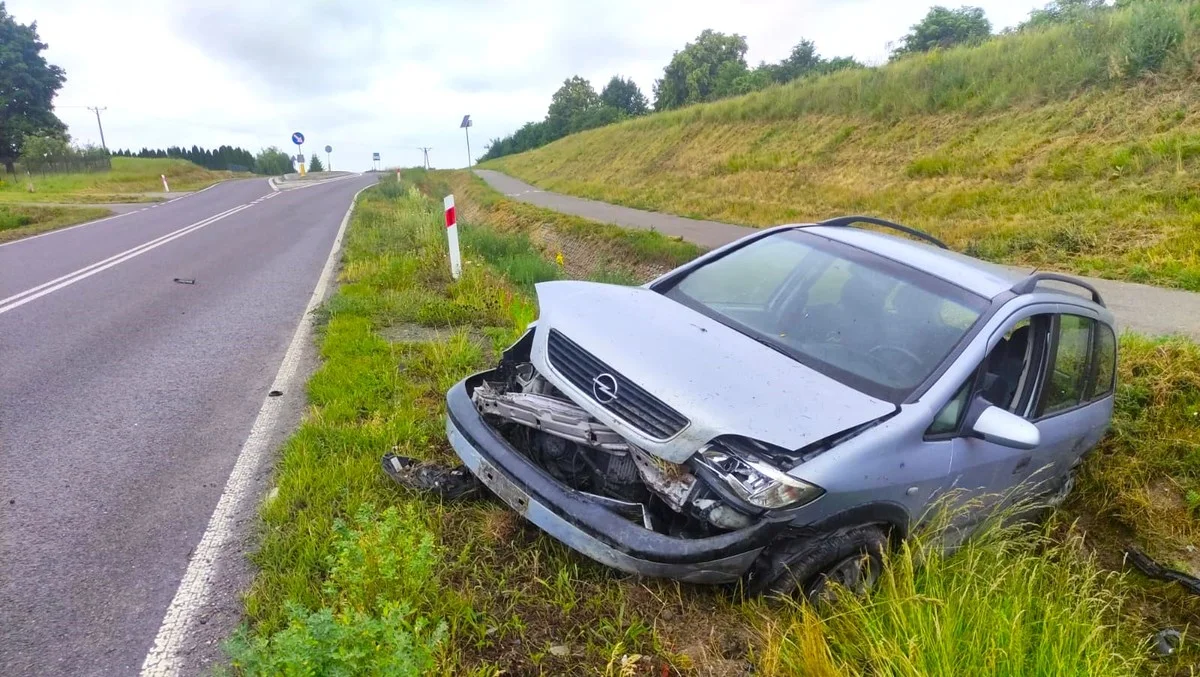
{"x":374,"y":75}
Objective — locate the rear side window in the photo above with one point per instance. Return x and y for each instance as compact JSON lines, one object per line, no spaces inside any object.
{"x":1104,"y":363}
{"x":1064,"y":388}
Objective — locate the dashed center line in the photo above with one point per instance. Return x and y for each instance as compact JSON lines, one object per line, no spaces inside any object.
{"x":33,"y":293}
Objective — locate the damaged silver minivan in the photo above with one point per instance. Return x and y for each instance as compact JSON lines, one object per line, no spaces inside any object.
{"x":782,"y":408}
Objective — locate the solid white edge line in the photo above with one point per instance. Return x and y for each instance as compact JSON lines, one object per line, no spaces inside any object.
{"x":78,"y":225}
{"x":119,"y":255}
{"x":110,"y":218}
{"x":194,"y":588}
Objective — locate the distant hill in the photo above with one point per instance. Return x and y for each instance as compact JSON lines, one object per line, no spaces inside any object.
{"x":1074,"y":145}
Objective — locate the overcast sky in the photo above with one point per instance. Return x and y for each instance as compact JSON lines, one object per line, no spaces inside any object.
{"x":386,"y":76}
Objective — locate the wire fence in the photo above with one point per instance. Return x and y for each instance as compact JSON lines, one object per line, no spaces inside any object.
{"x":64,"y":166}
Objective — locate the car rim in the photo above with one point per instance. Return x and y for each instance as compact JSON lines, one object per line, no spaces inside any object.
{"x":856,"y":573}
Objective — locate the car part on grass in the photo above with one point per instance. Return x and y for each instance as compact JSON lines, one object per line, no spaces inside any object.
{"x":1166,"y":642}
{"x":449,"y":483}
{"x":1149,"y":567}
{"x":778,"y":409}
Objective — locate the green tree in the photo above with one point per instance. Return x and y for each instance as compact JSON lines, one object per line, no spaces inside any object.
{"x":623,"y":94}
{"x":39,"y":152}
{"x":272,"y":161}
{"x":802,"y":61}
{"x":569,"y":105}
{"x":702,"y":71}
{"x":942,"y":28}
{"x":27,"y":87}
{"x":1062,"y":11}
{"x":315,"y":165}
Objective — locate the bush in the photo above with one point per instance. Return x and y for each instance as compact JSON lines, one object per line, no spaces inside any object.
{"x":10,"y":220}
{"x":381,"y":573}
{"x":396,"y":642}
{"x":1154,"y":31}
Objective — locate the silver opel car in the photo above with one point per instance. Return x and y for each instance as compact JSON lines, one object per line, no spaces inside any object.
{"x":781,"y":409}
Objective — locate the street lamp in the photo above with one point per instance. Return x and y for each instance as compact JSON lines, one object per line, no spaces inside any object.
{"x":466,"y":127}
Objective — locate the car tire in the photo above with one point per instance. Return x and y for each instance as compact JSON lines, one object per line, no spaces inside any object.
{"x":852,"y":556}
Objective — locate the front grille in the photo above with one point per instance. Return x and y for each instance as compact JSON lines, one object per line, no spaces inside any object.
{"x":633,"y":404}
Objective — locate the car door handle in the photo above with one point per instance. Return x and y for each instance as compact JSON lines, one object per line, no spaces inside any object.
{"x":1022,"y":464}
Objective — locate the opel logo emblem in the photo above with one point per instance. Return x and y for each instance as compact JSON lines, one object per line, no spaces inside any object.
{"x":604,"y":388}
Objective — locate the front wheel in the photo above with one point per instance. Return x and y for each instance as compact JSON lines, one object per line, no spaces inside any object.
{"x":851,"y":557}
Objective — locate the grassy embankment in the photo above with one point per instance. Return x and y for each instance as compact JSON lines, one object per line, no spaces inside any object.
{"x":357,"y":574}
{"x":130,"y":180}
{"x":1075,"y":147}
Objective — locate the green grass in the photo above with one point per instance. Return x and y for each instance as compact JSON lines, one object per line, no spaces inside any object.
{"x":1070,"y":148}
{"x":18,"y":221}
{"x":1012,"y":602}
{"x":129,"y":179}
{"x":581,"y":248}
{"x":358,"y":576}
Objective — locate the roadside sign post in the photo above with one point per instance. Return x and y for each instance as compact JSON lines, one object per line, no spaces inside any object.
{"x":466,"y":127}
{"x":452,"y":237}
{"x":328,"y":158}
{"x":298,"y":139}
{"x":375,"y":161}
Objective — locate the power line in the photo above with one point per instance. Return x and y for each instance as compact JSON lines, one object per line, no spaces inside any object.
{"x":97,"y":109}
{"x":426,"y":151}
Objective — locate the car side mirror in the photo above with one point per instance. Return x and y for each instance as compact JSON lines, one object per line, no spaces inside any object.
{"x":995,"y":425}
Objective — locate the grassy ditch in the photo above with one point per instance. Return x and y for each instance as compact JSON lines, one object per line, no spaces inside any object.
{"x":357,"y":576}
{"x":128,"y":181}
{"x":18,"y":221}
{"x":1054,"y":148}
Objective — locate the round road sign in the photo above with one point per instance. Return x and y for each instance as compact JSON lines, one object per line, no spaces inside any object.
{"x":297,"y":138}
{"x":328,"y":149}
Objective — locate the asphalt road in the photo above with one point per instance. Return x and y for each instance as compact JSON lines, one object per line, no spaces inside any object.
{"x":125,"y":398}
{"x":1140,"y":307}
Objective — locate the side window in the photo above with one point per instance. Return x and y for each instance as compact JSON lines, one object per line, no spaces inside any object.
{"x":1064,"y":387}
{"x":1104,"y":362}
{"x":1006,"y":370}
{"x":946,"y":421}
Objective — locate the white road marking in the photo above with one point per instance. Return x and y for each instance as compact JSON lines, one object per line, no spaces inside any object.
{"x":194,"y":589}
{"x":21,"y":298}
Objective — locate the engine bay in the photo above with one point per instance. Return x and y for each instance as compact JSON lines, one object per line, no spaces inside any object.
{"x":584,"y":454}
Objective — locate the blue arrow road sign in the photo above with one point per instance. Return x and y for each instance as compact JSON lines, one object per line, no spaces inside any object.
{"x":297,"y":138}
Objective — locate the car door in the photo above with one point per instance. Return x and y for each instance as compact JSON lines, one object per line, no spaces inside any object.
{"x":1009,"y":378}
{"x":1075,"y":404}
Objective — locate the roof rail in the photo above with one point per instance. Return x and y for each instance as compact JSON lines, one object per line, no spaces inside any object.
{"x":848,"y":220}
{"x":1030,"y":283}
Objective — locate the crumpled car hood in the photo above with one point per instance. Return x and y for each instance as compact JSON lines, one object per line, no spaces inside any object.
{"x":722,"y":381}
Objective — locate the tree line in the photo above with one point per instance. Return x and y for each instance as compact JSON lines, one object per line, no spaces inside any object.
{"x":220,"y":158}
{"x":713,"y":66}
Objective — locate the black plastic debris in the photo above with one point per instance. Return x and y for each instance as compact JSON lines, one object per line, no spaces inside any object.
{"x":275,"y":393}
{"x":1142,"y":562}
{"x":1166,"y":642}
{"x":449,"y":483}
{"x":185,"y":280}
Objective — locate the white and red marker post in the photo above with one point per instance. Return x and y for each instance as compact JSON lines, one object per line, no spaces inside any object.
{"x":166,"y":188}
{"x":452,"y":236}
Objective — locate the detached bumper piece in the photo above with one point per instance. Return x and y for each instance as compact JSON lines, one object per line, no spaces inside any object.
{"x":601,"y":528}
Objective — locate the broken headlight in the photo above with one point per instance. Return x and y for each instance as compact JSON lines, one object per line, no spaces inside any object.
{"x":753,"y":479}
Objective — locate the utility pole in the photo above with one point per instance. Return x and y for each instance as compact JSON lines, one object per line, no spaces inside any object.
{"x":97,"y":109}
{"x":426,"y":151}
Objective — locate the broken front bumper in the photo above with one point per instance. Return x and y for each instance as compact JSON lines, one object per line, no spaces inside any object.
{"x":588,"y":526}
